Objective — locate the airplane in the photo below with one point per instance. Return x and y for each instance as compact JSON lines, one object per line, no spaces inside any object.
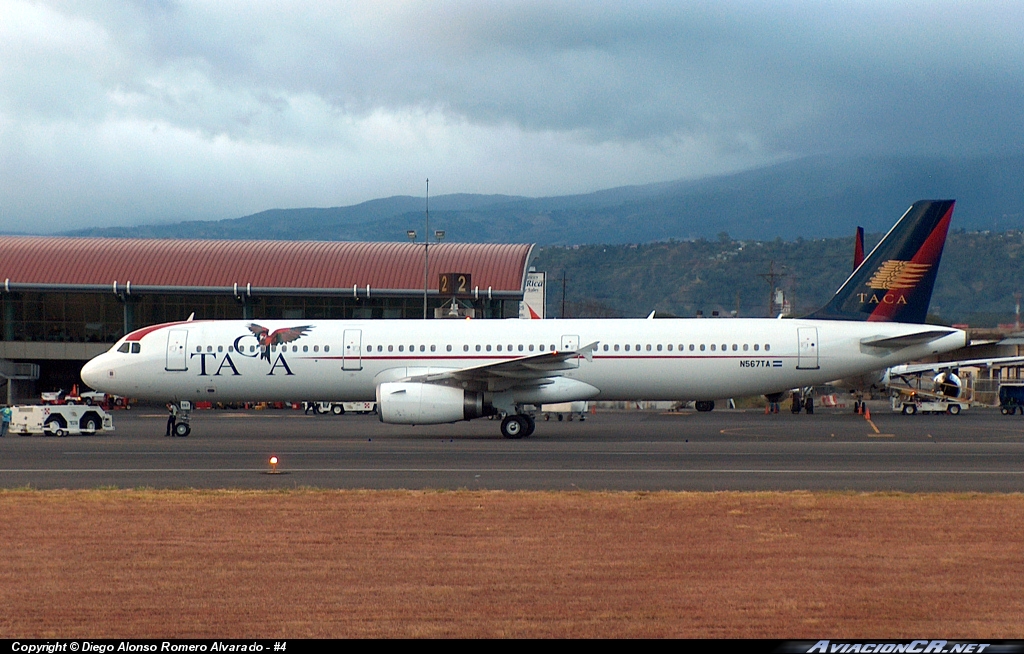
{"x":444,"y":371}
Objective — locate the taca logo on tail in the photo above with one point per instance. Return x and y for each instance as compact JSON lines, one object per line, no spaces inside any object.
{"x":894,"y":283}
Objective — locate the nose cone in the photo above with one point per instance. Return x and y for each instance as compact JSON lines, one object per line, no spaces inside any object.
{"x":95,"y":373}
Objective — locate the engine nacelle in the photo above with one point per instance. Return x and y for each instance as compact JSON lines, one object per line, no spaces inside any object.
{"x":948,"y":384}
{"x":413,"y":403}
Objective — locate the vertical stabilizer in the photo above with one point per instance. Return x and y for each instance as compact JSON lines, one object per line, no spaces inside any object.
{"x":894,"y":283}
{"x":858,"y":248}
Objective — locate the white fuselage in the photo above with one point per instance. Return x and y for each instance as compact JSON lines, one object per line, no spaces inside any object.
{"x":663,"y":359}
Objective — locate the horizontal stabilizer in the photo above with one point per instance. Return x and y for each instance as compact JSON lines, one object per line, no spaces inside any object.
{"x":897,"y":342}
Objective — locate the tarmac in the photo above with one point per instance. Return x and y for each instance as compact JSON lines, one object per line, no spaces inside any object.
{"x":977,"y":451}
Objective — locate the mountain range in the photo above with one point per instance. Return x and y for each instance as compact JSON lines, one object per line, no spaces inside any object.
{"x":814,"y":197}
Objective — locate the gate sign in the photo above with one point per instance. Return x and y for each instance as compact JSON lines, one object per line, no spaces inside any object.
{"x":455,"y":284}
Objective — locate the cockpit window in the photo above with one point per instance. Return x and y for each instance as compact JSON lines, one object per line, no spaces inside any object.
{"x":136,"y":348}
{"x":124,"y":348}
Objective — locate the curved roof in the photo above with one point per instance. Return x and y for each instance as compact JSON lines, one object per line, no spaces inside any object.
{"x":197,"y":265}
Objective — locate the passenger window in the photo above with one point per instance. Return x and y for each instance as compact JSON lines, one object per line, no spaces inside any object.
{"x":606,"y":348}
{"x":316,"y":348}
{"x":745,"y":347}
{"x":627,"y":347}
{"x":499,"y":347}
{"x":252,"y":348}
{"x":423,"y":348}
{"x":691,"y":347}
{"x":712,"y":347}
{"x":520,"y":348}
{"x":465,"y":348}
{"x":541,"y":347}
{"x":509,"y":347}
{"x":659,"y":347}
{"x":488,"y":347}
{"x":756,"y":347}
{"x":209,"y":348}
{"x":433,"y":348}
{"x":702,"y":347}
{"x":477,"y":348}
{"x":531,"y":348}
{"x":199,"y":348}
{"x":401,"y":348}
{"x":305,"y":348}
{"x":327,"y":348}
{"x":380,"y":348}
{"x":616,"y":347}
{"x":649,"y":347}
{"x":220,"y":348}
{"x":734,"y":347}
{"x":124,"y":348}
{"x":767,"y":347}
{"x":724,"y":347}
{"x":449,"y":348}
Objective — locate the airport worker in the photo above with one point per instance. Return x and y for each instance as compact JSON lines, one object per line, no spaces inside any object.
{"x":172,"y":417}
{"x":5,"y":420}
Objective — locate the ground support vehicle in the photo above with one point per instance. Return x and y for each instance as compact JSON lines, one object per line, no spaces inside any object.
{"x":59,"y":420}
{"x":910,"y":402}
{"x":565,"y":409}
{"x":1011,"y":398}
{"x":341,"y":408}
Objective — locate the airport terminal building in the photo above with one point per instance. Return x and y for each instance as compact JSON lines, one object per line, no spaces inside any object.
{"x":65,"y":300}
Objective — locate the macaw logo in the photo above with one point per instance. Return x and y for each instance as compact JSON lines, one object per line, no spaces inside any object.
{"x":267,"y":339}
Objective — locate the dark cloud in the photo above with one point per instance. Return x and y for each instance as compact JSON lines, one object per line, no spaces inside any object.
{"x":114,"y":112}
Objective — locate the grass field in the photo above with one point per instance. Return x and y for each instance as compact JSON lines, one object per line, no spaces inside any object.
{"x":313,"y":563}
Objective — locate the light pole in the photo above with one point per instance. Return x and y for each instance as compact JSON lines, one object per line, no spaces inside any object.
{"x":438,"y":235}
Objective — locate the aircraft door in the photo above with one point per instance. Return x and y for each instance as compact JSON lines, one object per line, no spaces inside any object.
{"x":352,"y":355}
{"x":807,"y":354}
{"x":571,"y":342}
{"x":176,"y":356}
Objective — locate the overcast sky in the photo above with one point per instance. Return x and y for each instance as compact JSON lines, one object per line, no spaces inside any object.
{"x":135,"y":112}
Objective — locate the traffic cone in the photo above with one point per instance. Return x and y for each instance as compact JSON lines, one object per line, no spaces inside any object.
{"x":867,"y":413}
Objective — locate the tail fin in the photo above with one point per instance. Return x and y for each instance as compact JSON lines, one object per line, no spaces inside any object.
{"x":894,"y":283}
{"x":858,"y":248}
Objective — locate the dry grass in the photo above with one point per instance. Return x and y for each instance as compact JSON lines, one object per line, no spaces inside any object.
{"x":343,"y":563}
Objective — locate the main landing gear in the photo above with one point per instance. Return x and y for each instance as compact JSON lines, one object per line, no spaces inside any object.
{"x":517,"y":426}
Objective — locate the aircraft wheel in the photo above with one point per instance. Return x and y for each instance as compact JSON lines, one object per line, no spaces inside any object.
{"x":513,"y":427}
{"x":704,"y":405}
{"x":338,"y":409}
{"x":909,"y":409}
{"x":531,"y":425}
{"x":953,"y":409}
{"x":182,"y":429}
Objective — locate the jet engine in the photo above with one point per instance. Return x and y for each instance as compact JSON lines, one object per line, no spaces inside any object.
{"x":947,"y":384}
{"x":414,"y":403}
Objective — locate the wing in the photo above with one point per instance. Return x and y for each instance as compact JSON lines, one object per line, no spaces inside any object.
{"x":522,"y":372}
{"x":257,"y":330}
{"x":288,"y":334}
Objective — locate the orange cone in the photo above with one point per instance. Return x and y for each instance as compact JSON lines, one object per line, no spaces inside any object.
{"x":867,"y":413}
